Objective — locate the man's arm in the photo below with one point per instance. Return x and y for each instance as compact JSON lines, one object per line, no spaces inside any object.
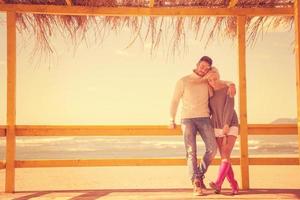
{"x":175,"y":101}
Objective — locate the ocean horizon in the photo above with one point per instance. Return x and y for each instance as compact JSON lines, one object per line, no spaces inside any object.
{"x":97,"y":147}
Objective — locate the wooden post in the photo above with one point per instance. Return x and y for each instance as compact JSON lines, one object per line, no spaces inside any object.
{"x":11,"y":103}
{"x":243,"y":102}
{"x":297,"y":57}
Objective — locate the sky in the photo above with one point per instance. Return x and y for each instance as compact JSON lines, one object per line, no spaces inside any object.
{"x":108,"y":84}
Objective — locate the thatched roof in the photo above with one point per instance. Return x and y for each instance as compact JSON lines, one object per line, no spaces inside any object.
{"x":76,"y":27}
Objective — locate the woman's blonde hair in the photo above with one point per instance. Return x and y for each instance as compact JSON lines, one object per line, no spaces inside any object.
{"x":212,"y":72}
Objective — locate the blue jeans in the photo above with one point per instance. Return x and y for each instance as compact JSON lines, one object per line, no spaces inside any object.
{"x":190,"y":127}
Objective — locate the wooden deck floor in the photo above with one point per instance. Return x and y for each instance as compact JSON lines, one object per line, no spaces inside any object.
{"x":152,"y":194}
{"x":144,"y":183}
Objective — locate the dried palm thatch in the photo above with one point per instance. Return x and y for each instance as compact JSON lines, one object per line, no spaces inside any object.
{"x":157,"y":28}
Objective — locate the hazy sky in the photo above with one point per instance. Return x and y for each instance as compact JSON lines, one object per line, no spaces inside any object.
{"x":107,"y":84}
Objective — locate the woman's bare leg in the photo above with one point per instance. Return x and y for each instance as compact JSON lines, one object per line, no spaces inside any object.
{"x":226,"y":148}
{"x":223,"y":168}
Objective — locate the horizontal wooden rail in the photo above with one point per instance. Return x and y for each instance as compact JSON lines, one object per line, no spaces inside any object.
{"x":140,"y":162}
{"x":151,"y":130}
{"x":99,"y":162}
{"x":2,"y":164}
{"x":95,"y":131}
{"x":2,"y":131}
{"x":143,"y":162}
{"x":272,"y":129}
{"x":143,"y":11}
{"x":274,"y":161}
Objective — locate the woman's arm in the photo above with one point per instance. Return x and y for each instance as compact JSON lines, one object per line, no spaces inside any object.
{"x":228,"y":110}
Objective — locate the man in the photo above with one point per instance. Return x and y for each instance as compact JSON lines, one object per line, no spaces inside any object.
{"x":193,"y":91}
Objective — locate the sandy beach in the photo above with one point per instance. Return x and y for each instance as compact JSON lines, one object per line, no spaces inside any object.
{"x":70,"y":182}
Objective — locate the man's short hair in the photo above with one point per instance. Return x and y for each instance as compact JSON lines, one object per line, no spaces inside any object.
{"x":206,"y":59}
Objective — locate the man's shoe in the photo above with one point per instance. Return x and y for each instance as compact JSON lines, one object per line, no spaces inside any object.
{"x":202,"y":185}
{"x":197,"y":188}
{"x":201,"y":179}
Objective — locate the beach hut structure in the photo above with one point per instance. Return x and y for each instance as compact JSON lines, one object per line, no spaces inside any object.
{"x":75,"y":14}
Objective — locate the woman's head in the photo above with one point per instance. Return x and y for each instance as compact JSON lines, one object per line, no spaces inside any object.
{"x":213,"y":78}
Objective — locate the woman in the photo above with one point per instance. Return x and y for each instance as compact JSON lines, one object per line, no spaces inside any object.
{"x":225,"y":124}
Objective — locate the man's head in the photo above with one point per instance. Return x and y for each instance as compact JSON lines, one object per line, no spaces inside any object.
{"x":203,"y":65}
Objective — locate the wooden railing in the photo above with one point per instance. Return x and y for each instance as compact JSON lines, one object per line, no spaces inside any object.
{"x":130,"y":130}
{"x":28,"y":130}
{"x":11,"y":130}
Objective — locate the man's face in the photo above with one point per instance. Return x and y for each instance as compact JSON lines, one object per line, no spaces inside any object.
{"x":202,"y":68}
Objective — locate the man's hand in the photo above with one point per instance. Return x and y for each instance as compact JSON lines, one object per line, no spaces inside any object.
{"x":231,"y":90}
{"x":172,"y":125}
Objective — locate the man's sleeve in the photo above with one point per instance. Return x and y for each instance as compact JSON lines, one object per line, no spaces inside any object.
{"x":176,"y":98}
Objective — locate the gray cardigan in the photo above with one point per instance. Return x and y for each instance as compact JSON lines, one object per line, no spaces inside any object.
{"x":222,"y":109}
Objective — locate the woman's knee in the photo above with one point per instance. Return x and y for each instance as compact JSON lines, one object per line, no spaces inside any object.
{"x":225,"y":156}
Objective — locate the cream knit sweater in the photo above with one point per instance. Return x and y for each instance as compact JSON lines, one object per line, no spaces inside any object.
{"x":193,"y":91}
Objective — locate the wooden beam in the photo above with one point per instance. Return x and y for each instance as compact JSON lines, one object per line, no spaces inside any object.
{"x":109,"y":162}
{"x":243,"y":101}
{"x":2,"y":131}
{"x":272,"y":129}
{"x":134,"y":130}
{"x":297,"y":57}
{"x":139,"y":11}
{"x":273,"y":161}
{"x":142,"y":162}
{"x":96,"y":131}
{"x":11,"y":103}
{"x":99,"y":162}
{"x":2,"y":164}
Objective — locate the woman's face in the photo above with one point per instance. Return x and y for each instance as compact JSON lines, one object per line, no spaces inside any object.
{"x":213,"y":80}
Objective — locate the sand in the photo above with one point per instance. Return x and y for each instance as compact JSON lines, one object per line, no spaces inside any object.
{"x":135,"y":182}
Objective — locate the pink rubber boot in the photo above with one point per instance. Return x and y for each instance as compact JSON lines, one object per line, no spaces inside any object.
{"x":223,"y":170}
{"x":233,"y":183}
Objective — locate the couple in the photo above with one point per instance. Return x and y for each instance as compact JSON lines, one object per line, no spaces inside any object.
{"x":207,"y":109}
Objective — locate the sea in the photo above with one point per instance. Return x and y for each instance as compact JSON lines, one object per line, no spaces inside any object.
{"x":97,"y":147}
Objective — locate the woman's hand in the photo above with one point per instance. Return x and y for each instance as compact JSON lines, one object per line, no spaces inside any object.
{"x":225,"y":129}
